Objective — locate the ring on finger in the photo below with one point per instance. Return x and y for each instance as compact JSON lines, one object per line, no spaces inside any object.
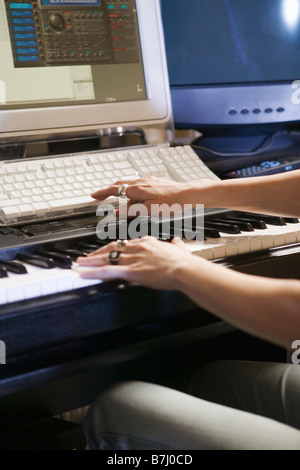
{"x":121,"y":244}
{"x":122,"y":190}
{"x":113,"y":257}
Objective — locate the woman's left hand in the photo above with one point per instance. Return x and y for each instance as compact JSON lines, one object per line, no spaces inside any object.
{"x":146,"y":261}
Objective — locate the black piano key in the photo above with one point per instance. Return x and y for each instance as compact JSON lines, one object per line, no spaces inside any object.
{"x":3,"y":272}
{"x":291,"y":220}
{"x":36,"y":260}
{"x":87,"y":247}
{"x":226,"y":228}
{"x":13,"y":266}
{"x":72,"y":253}
{"x":268,"y":219}
{"x":211,"y":233}
{"x":60,"y":261}
{"x":97,"y":241}
{"x":244,"y":226}
{"x":256,"y":223}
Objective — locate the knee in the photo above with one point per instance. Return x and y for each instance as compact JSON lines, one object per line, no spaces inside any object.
{"x":115,"y":404}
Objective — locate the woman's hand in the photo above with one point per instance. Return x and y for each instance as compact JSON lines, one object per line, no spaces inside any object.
{"x":153,"y":191}
{"x":146,"y":261}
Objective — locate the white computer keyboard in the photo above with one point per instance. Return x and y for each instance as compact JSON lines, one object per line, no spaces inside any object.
{"x":52,"y":187}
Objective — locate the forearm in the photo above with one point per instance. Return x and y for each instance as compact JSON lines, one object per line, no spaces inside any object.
{"x":275,"y":194}
{"x":266,"y":308}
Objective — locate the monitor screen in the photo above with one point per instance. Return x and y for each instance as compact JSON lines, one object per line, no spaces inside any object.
{"x":233,"y":62}
{"x":76,"y":65}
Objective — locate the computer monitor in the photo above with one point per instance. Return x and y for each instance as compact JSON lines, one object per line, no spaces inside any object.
{"x":81,"y":67}
{"x":233,"y":63}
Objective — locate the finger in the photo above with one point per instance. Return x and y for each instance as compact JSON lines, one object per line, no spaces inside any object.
{"x":130,"y":246}
{"x":103,"y":260}
{"x":106,"y":273}
{"x":97,"y":260}
{"x":178,"y":242}
{"x":111,"y":190}
{"x":107,"y":248}
{"x":104,"y":193}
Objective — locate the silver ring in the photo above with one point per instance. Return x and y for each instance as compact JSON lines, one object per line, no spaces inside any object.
{"x":113,"y":257}
{"x":122,"y":190}
{"x":121,"y":244}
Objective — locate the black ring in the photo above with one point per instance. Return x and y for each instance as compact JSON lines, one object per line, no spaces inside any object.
{"x":113,"y":257}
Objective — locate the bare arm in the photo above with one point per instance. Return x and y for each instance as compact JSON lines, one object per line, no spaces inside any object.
{"x":274,"y":194}
{"x":267,"y":308}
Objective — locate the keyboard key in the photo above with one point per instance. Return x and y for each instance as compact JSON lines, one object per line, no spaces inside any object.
{"x":61,"y":261}
{"x":9,"y":213}
{"x":13,"y":266}
{"x":36,"y":260}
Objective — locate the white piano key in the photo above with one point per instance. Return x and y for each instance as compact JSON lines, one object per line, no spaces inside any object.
{"x":283,"y":234}
{"x":14,"y":286}
{"x":32,"y":287}
{"x":64,"y":280}
{"x":3,"y":294}
{"x":246,"y":242}
{"x":79,"y":282}
{"x":39,"y":282}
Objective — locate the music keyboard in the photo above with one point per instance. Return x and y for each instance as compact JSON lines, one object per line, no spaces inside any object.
{"x":63,"y":275}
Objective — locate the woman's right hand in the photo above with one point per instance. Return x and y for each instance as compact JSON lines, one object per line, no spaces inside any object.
{"x":155,"y":191}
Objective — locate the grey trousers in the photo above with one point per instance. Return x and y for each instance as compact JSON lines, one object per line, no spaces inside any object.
{"x":231,"y":405}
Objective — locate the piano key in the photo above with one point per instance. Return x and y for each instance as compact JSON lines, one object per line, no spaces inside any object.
{"x":3,"y":272}
{"x":61,"y":261}
{"x":243,"y":226}
{"x":39,"y":282}
{"x":228,"y":245}
{"x":72,"y":253}
{"x":268,"y":219}
{"x":248,"y":242}
{"x":291,"y":220}
{"x":222,"y":227}
{"x":256,"y":223}
{"x":284,"y":235}
{"x":36,"y":260}
{"x":13,"y":266}
{"x":87,"y":247}
{"x":211,"y":233}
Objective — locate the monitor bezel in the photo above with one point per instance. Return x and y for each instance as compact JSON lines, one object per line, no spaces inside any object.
{"x":35,"y":124}
{"x":204,"y":107}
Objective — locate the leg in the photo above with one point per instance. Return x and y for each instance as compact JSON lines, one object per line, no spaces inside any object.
{"x":266,"y":388}
{"x":138,"y":416}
